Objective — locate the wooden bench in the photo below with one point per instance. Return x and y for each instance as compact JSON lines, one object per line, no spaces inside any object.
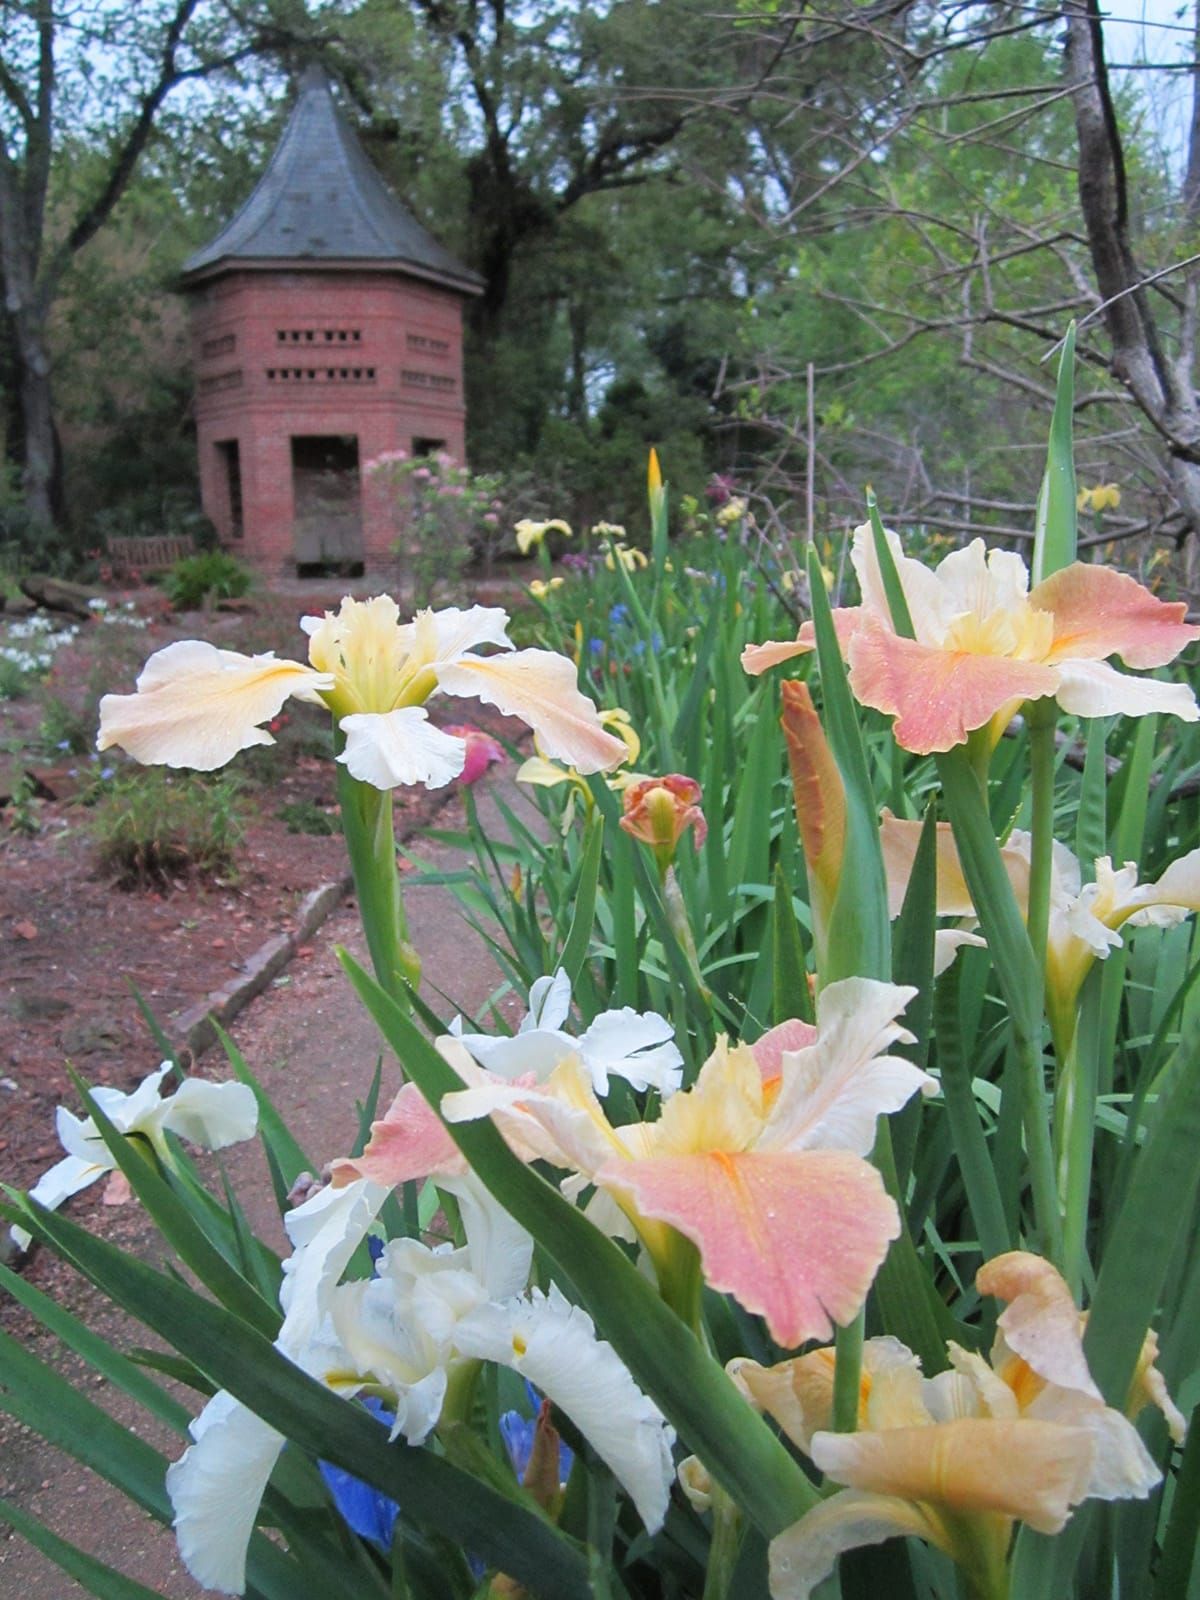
{"x":135,"y":557}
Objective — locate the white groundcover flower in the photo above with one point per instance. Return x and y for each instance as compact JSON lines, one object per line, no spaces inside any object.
{"x":406,"y":1331}
{"x":211,"y":1115}
{"x":636,"y":1045}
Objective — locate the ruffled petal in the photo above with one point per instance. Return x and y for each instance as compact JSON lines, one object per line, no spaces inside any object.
{"x":796,"y":1238}
{"x":541,"y":688}
{"x":1122,"y":1468}
{"x":638,"y":1046}
{"x":561,"y":1122}
{"x":938,"y":696}
{"x":1040,"y":1322}
{"x":834,"y":1090}
{"x":760,"y":658}
{"x":1101,"y":612}
{"x":437,"y":638}
{"x":553,"y":1345}
{"x":197,"y":706}
{"x":549,"y":1002}
{"x":325,"y":1232}
{"x":805,"y":1554}
{"x":1094,"y":689}
{"x":407,"y":1143}
{"x":926,"y":596}
{"x":64,"y":1178}
{"x":798,"y":1394}
{"x":769,"y":1051}
{"x":212,"y":1115}
{"x":1031,"y":1470}
{"x":394,"y":748}
{"x":947,"y":942}
{"x":216,"y":1488}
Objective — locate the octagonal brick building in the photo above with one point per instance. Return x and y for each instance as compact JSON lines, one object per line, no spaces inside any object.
{"x":326,"y":329}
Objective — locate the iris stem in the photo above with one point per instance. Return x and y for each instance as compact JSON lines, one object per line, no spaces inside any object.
{"x":371,"y":843}
{"x":1041,"y":722}
{"x":723,"y":1551}
{"x":1075,"y":1122}
{"x":847,"y":1374}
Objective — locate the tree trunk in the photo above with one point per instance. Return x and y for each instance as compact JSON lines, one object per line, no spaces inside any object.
{"x":41,"y":476}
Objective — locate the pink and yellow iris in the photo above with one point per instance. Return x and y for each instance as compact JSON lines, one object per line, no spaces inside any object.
{"x":985,"y":642}
{"x":197,"y":706}
{"x":760,"y":1164}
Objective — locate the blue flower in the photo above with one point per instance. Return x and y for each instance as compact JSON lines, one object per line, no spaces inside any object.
{"x":596,"y":646}
{"x":366,"y":1511}
{"x":518,"y":1431}
{"x":619,"y":615}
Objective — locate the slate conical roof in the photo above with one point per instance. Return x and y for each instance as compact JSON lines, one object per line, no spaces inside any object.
{"x":321,"y":202}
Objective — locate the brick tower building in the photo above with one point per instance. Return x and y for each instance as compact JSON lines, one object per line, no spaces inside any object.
{"x":327,"y":328}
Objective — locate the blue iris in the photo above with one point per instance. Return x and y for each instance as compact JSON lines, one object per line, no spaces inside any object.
{"x":619,"y":615}
{"x":368,"y":1512}
{"x":518,"y":1431}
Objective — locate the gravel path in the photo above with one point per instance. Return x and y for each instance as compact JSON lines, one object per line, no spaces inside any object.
{"x":314,"y":1049}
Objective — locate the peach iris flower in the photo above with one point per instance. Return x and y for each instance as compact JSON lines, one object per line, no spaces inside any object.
{"x":198,"y":706}
{"x":985,"y":642}
{"x":760,"y":1164}
{"x":957,"y":1459}
{"x":1085,"y":918}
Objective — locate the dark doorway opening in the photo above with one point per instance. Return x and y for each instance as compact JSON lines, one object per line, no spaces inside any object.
{"x":427,"y":447}
{"x":327,"y":530}
{"x":231,"y":476}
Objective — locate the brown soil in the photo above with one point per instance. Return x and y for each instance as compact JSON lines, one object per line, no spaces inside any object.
{"x":70,"y":942}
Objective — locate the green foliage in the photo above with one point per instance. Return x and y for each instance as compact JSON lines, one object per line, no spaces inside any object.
{"x":306,"y":816}
{"x":445,"y":518}
{"x":150,"y":828}
{"x":64,"y":730}
{"x":199,"y":580}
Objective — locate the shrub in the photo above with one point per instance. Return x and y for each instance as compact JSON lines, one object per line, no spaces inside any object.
{"x":152,"y":827}
{"x":64,"y":729}
{"x":446,"y":517}
{"x":306,"y":816}
{"x":200,"y":579}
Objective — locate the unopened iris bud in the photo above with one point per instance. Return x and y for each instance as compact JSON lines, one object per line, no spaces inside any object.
{"x":658,"y":811}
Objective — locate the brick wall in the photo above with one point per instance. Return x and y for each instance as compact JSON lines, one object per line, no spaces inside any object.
{"x":287,"y":353}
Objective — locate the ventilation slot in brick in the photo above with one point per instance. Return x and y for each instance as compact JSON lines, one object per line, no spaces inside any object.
{"x":221,"y":380}
{"x":320,"y":374}
{"x":428,"y":380}
{"x":318,"y":335}
{"x":220,"y":346}
{"x":432,"y":347}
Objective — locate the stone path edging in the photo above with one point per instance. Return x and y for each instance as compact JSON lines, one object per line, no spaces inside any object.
{"x":192,"y":1030}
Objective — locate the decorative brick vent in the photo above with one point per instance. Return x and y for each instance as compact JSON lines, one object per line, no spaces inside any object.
{"x":220,"y":346}
{"x":318,"y":335}
{"x":221,"y":380}
{"x":427,"y":345}
{"x":320,"y":374}
{"x":428,"y":380}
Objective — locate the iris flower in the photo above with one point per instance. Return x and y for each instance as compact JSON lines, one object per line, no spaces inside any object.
{"x":985,"y":642}
{"x":198,"y":706}
{"x":411,"y":1335}
{"x":1085,"y":918}
{"x":212,"y":1115}
{"x":957,"y":1459}
{"x":760,"y":1163}
{"x":637,"y":1046}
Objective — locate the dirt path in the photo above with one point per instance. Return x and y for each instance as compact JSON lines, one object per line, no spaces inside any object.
{"x":314,"y":1049}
